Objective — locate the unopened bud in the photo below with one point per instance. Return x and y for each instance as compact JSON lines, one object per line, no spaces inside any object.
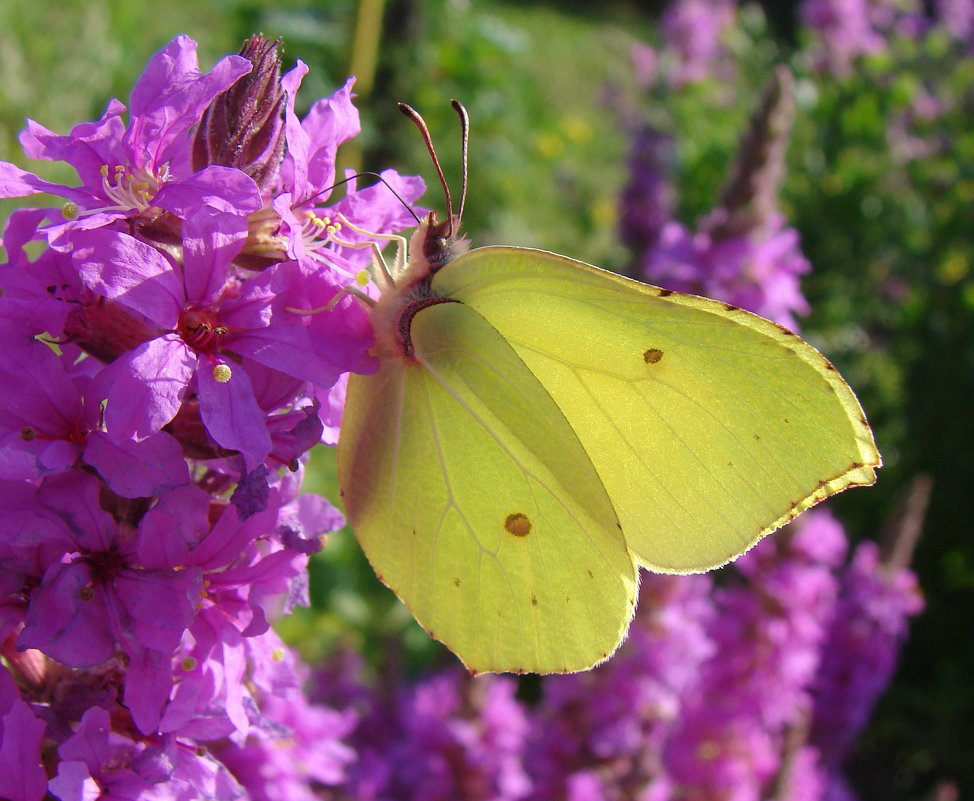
{"x":244,"y":126}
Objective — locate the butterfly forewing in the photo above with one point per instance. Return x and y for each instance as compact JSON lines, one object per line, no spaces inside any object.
{"x":477,"y":504}
{"x":708,"y":426}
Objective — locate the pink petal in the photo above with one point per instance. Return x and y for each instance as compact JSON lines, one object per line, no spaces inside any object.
{"x":138,"y":276}
{"x":138,"y":469}
{"x":20,"y":746}
{"x":294,"y":168}
{"x":145,"y":387}
{"x":232,"y":416}
{"x":173,"y":527}
{"x":89,"y":146}
{"x":329,"y":122}
{"x":67,"y":628}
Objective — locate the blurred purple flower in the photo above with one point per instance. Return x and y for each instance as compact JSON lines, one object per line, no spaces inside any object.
{"x":693,"y":35}
{"x":618,"y":715}
{"x":742,"y":251}
{"x":843,"y":30}
{"x":645,"y":64}
{"x":648,"y":199}
{"x":758,"y":271}
{"x":710,"y":698}
{"x":304,"y":753}
{"x":450,"y":736}
{"x":768,"y":632}
{"x":957,"y":16}
{"x":864,"y":638}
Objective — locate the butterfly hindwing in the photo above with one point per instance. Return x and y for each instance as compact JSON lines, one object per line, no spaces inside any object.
{"x":475,"y":501}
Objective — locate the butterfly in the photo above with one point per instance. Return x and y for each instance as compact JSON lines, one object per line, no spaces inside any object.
{"x":538,"y":428}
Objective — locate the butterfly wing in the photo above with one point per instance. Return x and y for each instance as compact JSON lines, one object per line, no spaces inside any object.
{"x":709,"y":426}
{"x":476,"y":503}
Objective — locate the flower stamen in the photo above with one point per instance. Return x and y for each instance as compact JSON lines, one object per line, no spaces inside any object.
{"x":129,"y":190}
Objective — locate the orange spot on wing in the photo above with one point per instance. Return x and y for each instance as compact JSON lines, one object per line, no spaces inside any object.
{"x":517,"y":524}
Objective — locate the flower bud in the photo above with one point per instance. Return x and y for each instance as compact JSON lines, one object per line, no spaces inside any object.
{"x":244,"y":126}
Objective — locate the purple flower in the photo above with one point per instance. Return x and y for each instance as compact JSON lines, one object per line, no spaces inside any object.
{"x":133,"y":170}
{"x":768,"y":636}
{"x":312,"y":143}
{"x":31,"y":538}
{"x":98,"y":762}
{"x":722,"y":754}
{"x":645,"y":64}
{"x":618,"y":715}
{"x":183,"y":330}
{"x":205,"y":323}
{"x":39,"y":296}
{"x":450,"y":736}
{"x":802,"y":777}
{"x":742,"y":252}
{"x":101,"y":596}
{"x":242,"y":127}
{"x":165,"y":355}
{"x":317,"y":233}
{"x":246,"y":565}
{"x":50,"y":426}
{"x":957,"y":16}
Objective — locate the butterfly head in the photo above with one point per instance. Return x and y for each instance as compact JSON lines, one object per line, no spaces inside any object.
{"x":437,"y":243}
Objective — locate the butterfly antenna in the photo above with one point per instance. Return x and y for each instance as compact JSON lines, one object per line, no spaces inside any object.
{"x":364,"y":174}
{"x":464,"y":140}
{"x":418,"y":121}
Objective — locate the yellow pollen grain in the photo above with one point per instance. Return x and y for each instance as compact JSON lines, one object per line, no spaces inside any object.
{"x":222,"y":373}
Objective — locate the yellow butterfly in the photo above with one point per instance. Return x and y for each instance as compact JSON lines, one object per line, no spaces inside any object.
{"x":538,"y":427}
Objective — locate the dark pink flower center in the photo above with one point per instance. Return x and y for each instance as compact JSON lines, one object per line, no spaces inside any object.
{"x":105,"y":564}
{"x":201,"y":329}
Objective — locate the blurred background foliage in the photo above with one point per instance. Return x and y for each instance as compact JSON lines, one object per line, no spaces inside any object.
{"x":880,"y":184}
